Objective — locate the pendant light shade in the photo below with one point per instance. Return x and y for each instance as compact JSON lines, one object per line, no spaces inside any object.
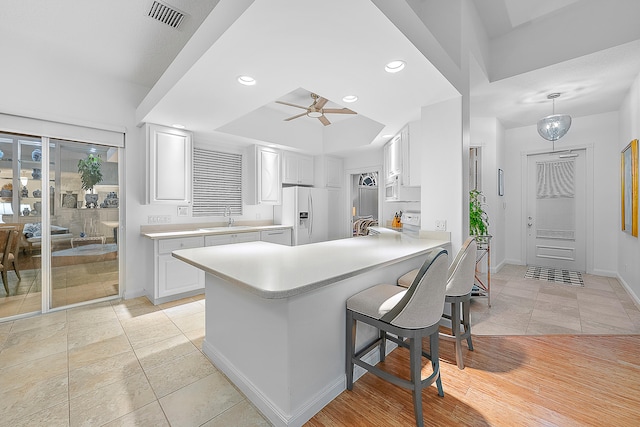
{"x":555,"y":126}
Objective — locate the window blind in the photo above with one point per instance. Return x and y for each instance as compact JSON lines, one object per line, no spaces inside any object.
{"x":217,"y":183}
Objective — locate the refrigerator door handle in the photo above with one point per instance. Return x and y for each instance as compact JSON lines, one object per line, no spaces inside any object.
{"x":310,"y":215}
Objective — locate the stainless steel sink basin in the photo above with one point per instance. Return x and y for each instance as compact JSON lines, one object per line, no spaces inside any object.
{"x":229,"y":228}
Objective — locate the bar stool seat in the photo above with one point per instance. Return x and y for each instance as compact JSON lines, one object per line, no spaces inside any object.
{"x":409,"y":313}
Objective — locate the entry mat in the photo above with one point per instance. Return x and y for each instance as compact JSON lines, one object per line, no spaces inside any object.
{"x":555,"y":275}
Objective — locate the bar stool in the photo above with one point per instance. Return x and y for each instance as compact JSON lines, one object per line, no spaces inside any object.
{"x":460,"y":279}
{"x":412,"y":313}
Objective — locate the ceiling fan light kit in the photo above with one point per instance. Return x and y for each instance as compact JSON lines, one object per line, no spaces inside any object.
{"x":555,"y":126}
{"x":316,"y":110}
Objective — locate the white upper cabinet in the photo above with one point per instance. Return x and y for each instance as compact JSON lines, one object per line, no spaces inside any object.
{"x":329,"y":171}
{"x":402,"y":156}
{"x":169,"y":165}
{"x":393,"y":157}
{"x":297,"y":168}
{"x":262,"y":176}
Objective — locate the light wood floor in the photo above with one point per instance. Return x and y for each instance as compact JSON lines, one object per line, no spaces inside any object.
{"x":561,"y":380}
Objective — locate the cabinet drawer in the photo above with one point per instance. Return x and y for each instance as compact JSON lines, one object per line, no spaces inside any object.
{"x":167,"y":246}
{"x":282,"y":237}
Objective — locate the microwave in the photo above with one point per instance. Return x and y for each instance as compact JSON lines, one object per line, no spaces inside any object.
{"x":394,"y":191}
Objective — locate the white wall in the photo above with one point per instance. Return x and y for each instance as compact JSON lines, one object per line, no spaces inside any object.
{"x":628,"y":252}
{"x":488,"y":134}
{"x":442,"y":189}
{"x":600,"y":134}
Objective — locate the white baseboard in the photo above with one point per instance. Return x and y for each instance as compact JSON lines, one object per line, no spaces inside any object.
{"x":270,"y":411}
{"x":632,"y":294}
{"x":606,"y":273}
{"x":134,"y":294}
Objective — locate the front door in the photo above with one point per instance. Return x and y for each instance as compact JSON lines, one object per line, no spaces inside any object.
{"x":556,"y":210}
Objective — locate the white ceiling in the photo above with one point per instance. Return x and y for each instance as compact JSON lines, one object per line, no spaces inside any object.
{"x":331,"y":47}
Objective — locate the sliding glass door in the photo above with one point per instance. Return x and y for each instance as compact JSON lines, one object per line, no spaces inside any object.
{"x":76,"y":259}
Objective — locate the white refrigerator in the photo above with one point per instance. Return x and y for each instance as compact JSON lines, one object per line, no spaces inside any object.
{"x":306,"y":209}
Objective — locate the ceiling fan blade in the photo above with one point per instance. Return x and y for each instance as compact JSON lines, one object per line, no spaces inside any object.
{"x":295,"y":117}
{"x":321,"y":103}
{"x":338,"y":111}
{"x":291,"y":105}
{"x":324,"y":120}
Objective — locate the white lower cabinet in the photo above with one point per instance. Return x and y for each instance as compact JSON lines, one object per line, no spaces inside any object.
{"x":173,"y":278}
{"x":281,"y":236}
{"x":226,"y":239}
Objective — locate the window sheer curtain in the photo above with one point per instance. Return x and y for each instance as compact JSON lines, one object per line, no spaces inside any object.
{"x":555,"y":194}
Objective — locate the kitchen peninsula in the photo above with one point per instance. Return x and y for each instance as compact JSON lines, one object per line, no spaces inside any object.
{"x":275,"y":315}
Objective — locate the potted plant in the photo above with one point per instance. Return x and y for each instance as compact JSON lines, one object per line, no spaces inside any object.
{"x":478,"y":218}
{"x":90,"y":175}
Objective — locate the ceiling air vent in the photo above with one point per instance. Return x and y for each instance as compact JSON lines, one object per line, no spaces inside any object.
{"x":166,"y":14}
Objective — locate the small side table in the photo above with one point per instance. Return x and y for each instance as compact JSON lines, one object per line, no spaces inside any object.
{"x":76,"y":240}
{"x":482,"y":286}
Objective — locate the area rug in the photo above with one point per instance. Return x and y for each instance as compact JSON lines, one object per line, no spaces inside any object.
{"x":555,"y":275}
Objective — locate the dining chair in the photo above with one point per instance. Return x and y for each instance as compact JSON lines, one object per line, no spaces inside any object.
{"x":460,"y":280}
{"x":15,"y":247}
{"x":6,"y":238}
{"x":402,"y":314}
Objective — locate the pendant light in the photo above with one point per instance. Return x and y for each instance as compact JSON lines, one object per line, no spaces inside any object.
{"x":555,"y":126}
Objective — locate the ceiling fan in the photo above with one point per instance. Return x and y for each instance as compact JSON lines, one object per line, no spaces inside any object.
{"x":317,"y":110}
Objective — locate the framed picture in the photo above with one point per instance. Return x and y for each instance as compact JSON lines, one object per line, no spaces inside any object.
{"x":629,"y":188}
{"x":500,"y":182}
{"x":69,"y":200}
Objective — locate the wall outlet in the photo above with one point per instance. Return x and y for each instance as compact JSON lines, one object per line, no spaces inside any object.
{"x":183,"y":210}
{"x":441,"y":225}
{"x":159,"y":219}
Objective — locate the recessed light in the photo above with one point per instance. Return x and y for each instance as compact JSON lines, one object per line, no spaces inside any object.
{"x":247,"y":80}
{"x":350,"y":98}
{"x":178,"y":126}
{"x":394,"y":66}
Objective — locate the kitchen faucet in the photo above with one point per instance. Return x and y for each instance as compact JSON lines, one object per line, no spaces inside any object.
{"x":227,"y":212}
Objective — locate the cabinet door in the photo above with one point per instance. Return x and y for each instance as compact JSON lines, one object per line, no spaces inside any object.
{"x":289,"y":168}
{"x":175,"y":276}
{"x":334,"y":172}
{"x":169,"y":165}
{"x":393,"y":156}
{"x":305,"y":170}
{"x":269,"y":183}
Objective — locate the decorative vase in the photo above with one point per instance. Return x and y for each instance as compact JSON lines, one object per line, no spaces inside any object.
{"x":92,"y":200}
{"x":36,"y":174}
{"x":36,"y":155}
{"x":37,"y":193}
{"x":25,"y":211}
{"x":24,"y":192}
{"x":37,"y":208}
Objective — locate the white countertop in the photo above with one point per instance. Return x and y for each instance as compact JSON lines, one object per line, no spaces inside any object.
{"x":277,"y":271}
{"x":170,"y":234}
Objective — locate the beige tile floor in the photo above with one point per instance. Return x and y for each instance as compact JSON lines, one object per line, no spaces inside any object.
{"x":131,"y":363}
{"x":522,"y":306}
{"x":125,"y":363}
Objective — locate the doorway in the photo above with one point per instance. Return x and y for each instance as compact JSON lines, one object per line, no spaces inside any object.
{"x":65,"y":251}
{"x":556,"y":210}
{"x":364,"y":198}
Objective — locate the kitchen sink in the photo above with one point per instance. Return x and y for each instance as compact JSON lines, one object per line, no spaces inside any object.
{"x":227,"y":227}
